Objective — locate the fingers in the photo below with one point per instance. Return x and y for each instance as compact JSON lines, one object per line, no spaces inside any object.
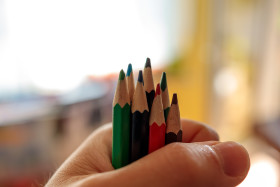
{"x":195,"y":164}
{"x":181,"y":164}
{"x":194,"y":131}
{"x":93,"y":156}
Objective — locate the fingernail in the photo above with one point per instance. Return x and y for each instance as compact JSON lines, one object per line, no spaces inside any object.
{"x":234,"y":158}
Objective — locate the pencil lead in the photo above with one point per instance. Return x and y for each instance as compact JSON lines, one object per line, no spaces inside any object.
{"x":148,"y":63}
{"x":122,"y":75}
{"x":163,"y":82}
{"x":129,"y":70}
{"x":174,"y":99}
{"x":157,"y":90}
{"x":140,"y":76}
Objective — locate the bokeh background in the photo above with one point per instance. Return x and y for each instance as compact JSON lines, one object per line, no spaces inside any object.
{"x":59,"y":61}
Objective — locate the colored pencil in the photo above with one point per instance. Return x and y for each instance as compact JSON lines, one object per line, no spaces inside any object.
{"x":131,"y":89}
{"x":157,"y":123}
{"x":140,"y":122}
{"x":173,"y":124}
{"x":130,"y":81}
{"x":121,"y":124}
{"x":149,"y":83}
{"x":165,"y":95}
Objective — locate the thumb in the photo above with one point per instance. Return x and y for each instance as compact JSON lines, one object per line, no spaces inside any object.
{"x":184,"y":164}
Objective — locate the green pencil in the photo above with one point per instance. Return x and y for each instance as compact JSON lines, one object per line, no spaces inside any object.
{"x":121,"y":124}
{"x":165,"y":95}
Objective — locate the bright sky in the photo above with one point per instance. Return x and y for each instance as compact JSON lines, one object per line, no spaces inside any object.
{"x":54,"y":44}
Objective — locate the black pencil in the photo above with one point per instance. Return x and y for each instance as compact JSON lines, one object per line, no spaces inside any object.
{"x":140,"y":122}
{"x":173,"y":123}
{"x":149,"y":83}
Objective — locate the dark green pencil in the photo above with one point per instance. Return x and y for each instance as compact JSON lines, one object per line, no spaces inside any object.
{"x":121,"y":124}
{"x":164,"y":95}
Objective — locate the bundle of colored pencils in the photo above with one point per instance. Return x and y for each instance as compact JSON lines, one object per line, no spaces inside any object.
{"x":143,"y":119}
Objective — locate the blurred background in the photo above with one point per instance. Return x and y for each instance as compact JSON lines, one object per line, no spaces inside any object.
{"x":60,"y":60}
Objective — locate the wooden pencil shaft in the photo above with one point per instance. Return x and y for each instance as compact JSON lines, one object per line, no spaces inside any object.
{"x":148,"y":80}
{"x":139,"y":101}
{"x":156,"y":112}
{"x":166,"y":111}
{"x":130,"y":82}
{"x":173,"y":118}
{"x":165,"y":99}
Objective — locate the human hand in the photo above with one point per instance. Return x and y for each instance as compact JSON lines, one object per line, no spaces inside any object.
{"x":200,"y":161}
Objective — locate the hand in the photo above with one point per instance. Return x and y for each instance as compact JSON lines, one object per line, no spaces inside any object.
{"x":200,"y":161}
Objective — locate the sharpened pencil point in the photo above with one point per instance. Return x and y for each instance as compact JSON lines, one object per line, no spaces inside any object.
{"x":163,"y":82}
{"x":129,"y":70}
{"x":157,"y":90}
{"x":174,"y":99}
{"x":148,"y":63}
{"x":140,"y":77}
{"x":121,"y":75}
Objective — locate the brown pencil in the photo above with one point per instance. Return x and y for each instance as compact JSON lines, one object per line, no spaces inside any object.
{"x":173,"y":123}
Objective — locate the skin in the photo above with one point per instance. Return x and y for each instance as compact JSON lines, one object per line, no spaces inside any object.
{"x":200,"y":161}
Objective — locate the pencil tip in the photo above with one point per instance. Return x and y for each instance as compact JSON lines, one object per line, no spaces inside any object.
{"x":174,"y":99}
{"x":148,"y":63}
{"x":157,"y":90}
{"x":121,"y":75}
{"x":129,"y":70}
{"x":140,"y":76}
{"x":163,"y":82}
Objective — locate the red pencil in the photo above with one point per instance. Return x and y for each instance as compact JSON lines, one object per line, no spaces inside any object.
{"x":157,"y":123}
